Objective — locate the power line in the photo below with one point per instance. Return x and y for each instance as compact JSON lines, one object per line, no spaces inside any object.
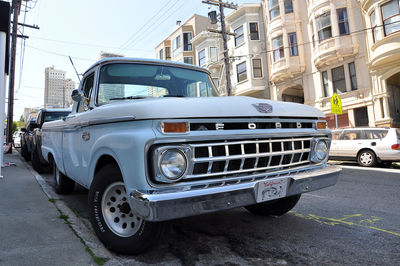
{"x":126,"y":43}
{"x":59,"y":54}
{"x":168,"y":18}
{"x":134,"y":41}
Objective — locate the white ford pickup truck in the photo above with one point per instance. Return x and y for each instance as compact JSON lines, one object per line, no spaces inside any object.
{"x":152,"y":142}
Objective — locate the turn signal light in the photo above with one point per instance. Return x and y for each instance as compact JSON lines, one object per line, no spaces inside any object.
{"x":396,"y":147}
{"x":174,"y":127}
{"x":321,"y":125}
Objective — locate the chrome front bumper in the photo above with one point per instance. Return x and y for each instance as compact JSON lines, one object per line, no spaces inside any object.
{"x":178,"y":204}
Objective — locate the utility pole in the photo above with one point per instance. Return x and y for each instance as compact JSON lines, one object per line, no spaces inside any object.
{"x":16,"y":8}
{"x":221,"y":6}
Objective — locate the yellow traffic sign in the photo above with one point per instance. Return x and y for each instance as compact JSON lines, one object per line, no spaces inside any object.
{"x":336,"y":104}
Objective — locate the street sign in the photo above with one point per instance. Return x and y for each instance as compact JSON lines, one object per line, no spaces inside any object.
{"x":336,"y":104}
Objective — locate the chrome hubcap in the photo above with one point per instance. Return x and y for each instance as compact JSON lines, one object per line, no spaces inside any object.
{"x":366,"y":158}
{"x":117,"y":213}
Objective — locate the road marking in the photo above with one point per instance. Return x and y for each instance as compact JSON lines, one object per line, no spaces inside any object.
{"x":316,"y":196}
{"x":396,"y":171}
{"x":365,"y":223}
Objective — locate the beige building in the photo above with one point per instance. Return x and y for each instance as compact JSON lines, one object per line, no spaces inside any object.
{"x":320,"y":47}
{"x":317,"y":48}
{"x":247,"y":51}
{"x":382,"y":18}
{"x":178,"y":45}
{"x":57,"y":89}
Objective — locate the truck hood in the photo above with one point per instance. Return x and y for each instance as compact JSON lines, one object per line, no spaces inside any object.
{"x":205,"y":107}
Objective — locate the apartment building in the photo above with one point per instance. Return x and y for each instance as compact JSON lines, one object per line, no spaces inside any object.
{"x":247,"y":51}
{"x":382,"y":19}
{"x":317,"y":48}
{"x":178,"y":45}
{"x":57,"y":89}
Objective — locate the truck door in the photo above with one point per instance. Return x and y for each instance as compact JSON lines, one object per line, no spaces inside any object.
{"x":77,"y":139}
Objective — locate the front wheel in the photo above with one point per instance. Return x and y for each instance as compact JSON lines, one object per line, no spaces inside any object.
{"x":366,"y":158}
{"x":63,"y":184}
{"x":276,"y":207}
{"x":112,"y":218}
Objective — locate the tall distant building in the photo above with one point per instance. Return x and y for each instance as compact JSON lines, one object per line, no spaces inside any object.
{"x":57,"y":89}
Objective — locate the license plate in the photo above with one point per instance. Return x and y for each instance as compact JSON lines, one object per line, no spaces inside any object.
{"x":271,"y":189}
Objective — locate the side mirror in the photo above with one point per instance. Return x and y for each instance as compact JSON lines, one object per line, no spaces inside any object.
{"x":23,"y":129}
{"x":77,"y":95}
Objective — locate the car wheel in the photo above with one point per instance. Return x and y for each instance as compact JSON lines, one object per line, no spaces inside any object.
{"x":276,"y":207}
{"x":25,"y":153}
{"x":366,"y":158}
{"x":36,"y":161}
{"x":62,"y":183}
{"x":112,"y":218}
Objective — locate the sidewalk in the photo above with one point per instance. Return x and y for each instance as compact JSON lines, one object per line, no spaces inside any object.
{"x":31,"y":232}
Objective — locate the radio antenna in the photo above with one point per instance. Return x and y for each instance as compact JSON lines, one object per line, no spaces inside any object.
{"x":74,"y":69}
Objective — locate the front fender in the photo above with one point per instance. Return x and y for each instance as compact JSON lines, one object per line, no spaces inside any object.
{"x":126,"y":144}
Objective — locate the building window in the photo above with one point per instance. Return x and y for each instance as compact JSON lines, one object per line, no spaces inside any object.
{"x":343,"y":21}
{"x":188,"y":60}
{"x":202,"y":57}
{"x":277,"y":46}
{"x":161,"y":54}
{"x":293,"y":51}
{"x":241,"y":71}
{"x":338,"y":80}
{"x":187,"y":41}
{"x":176,"y":45}
{"x":324,"y":26}
{"x":254,"y":31}
{"x":213,"y":54}
{"x":353,"y":77}
{"x":391,"y":17}
{"x":312,"y":34}
{"x":167,"y":53}
{"x":374,"y":28}
{"x":257,"y":68}
{"x":239,"y":37}
{"x":274,"y":10}
{"x":288,"y":6}
{"x":325,"y":83}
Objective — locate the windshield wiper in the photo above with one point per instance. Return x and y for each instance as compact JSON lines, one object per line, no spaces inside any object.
{"x":128,"y":98}
{"x":174,"y":96}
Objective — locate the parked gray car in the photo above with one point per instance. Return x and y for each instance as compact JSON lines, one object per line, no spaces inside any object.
{"x":368,"y":146}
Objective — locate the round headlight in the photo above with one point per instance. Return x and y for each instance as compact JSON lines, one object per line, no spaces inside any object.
{"x":173,"y":164}
{"x":321,"y":150}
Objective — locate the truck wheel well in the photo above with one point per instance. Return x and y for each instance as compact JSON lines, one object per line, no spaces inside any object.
{"x":103,"y":161}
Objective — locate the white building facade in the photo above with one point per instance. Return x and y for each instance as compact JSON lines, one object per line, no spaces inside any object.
{"x":57,"y":89}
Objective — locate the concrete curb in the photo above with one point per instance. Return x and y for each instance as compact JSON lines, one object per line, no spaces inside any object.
{"x":83,"y":232}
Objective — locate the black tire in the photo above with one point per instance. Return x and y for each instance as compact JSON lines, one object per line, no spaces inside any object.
{"x":111,"y":216}
{"x":36,"y":160}
{"x":276,"y":207}
{"x":62,"y":183}
{"x":366,"y":158}
{"x":25,"y":153}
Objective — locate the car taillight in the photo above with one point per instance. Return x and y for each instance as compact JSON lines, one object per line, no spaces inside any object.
{"x":396,"y":147}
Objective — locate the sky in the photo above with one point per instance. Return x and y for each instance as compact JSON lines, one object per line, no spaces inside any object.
{"x":82,"y":29}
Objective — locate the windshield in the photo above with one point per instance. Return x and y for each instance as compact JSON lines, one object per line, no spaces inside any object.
{"x":54,"y":116}
{"x":132,"y":81}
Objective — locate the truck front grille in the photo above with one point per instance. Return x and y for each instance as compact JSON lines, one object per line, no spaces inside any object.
{"x":231,"y":158}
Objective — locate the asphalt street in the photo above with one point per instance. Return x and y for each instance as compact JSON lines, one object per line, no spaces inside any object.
{"x":356,"y":222}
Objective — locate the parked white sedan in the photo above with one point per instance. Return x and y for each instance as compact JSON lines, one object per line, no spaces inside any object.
{"x":367,"y":146}
{"x":17,"y":139}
